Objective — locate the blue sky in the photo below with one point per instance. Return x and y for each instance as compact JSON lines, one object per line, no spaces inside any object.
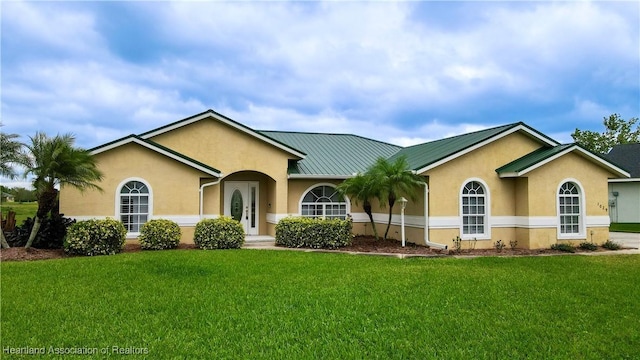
{"x":401,"y":72}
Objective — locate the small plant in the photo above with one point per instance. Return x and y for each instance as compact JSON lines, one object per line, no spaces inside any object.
{"x":457,"y":244}
{"x":564,"y":247}
{"x":220,"y":233}
{"x":499,"y":245}
{"x":610,"y":245}
{"x":95,"y":237}
{"x":513,"y":244}
{"x":159,"y":234}
{"x":588,"y":246}
{"x":472,"y":244}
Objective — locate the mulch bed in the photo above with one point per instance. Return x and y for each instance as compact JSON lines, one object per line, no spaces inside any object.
{"x":366,"y":244}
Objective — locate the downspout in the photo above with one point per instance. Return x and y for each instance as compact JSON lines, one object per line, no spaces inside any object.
{"x":202,"y":193}
{"x":426,"y":221}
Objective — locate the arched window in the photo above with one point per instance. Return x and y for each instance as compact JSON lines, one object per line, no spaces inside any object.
{"x":570,"y":209}
{"x":474,"y":210}
{"x":134,"y":205}
{"x":323,"y":202}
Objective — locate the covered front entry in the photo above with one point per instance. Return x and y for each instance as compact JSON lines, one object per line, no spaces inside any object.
{"x":241,"y":202}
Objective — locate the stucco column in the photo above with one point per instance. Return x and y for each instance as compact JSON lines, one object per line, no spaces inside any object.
{"x":281,"y":196}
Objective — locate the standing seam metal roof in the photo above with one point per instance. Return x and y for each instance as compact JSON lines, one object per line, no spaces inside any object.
{"x":333,"y":154}
{"x":422,"y":155}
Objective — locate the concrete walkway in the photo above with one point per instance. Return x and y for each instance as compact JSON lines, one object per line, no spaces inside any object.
{"x":626,"y":240}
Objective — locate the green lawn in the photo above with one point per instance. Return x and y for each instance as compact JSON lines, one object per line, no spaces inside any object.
{"x":286,"y":304}
{"x":625,"y":227}
{"x":23,"y":210}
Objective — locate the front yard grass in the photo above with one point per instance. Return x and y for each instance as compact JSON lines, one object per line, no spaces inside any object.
{"x":286,"y":304}
{"x":625,"y":227}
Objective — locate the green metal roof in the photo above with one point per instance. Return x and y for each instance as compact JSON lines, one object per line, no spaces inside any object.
{"x":422,"y":155}
{"x":337,"y":155}
{"x":531,"y":159}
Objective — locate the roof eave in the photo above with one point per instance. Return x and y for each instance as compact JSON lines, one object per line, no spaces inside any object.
{"x":517,"y":127}
{"x":611,"y":167}
{"x":319,"y":176}
{"x":135,"y":139}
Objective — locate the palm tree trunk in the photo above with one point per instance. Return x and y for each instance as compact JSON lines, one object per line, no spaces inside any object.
{"x":46,"y":202}
{"x":5,"y":244}
{"x":392,"y":201}
{"x":386,"y":233}
{"x":34,"y":231}
{"x":367,"y":209}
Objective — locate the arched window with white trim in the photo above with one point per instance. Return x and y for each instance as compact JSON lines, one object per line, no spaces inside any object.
{"x":570,"y":209}
{"x":324,"y":202}
{"x":134,"y":205}
{"x":474,"y":210}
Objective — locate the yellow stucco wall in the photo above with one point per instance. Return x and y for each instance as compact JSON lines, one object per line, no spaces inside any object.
{"x":543,"y":192}
{"x":230,"y":150}
{"x":445,"y":181}
{"x":174,"y":185}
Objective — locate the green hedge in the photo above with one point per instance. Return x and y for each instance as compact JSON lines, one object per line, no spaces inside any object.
{"x":159,"y":234}
{"x":297,"y":232}
{"x":95,"y":237}
{"x":219,"y":233}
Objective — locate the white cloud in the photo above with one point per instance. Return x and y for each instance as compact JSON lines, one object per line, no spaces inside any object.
{"x":334,"y":67}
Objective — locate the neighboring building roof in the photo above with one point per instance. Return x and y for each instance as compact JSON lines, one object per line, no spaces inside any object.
{"x":212,"y":114}
{"x":627,"y":156}
{"x":544,"y":155}
{"x":426,"y":156}
{"x":159,"y":149}
{"x":332,"y":155}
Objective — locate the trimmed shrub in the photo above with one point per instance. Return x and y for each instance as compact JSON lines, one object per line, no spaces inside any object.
{"x":564,"y":247}
{"x":95,"y":237}
{"x":159,"y":234}
{"x":50,"y":236}
{"x":297,"y":232}
{"x":588,"y":246}
{"x":611,"y":245}
{"x":219,"y":233}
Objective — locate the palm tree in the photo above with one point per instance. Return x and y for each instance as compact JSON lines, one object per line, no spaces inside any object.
{"x":10,"y":154}
{"x":55,"y":162}
{"x":362,"y":188}
{"x":396,"y":179}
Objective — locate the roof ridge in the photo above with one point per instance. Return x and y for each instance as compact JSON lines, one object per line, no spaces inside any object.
{"x":331,"y":134}
{"x":506,"y":126}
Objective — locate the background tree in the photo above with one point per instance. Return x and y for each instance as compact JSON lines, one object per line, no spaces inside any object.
{"x":617,"y":131}
{"x":11,"y":154}
{"x":362,"y":188}
{"x":396,"y":179}
{"x":56,"y":162}
{"x":23,"y":195}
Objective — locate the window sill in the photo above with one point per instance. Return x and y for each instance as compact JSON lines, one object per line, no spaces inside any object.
{"x":572,"y":237}
{"x":476,"y":237}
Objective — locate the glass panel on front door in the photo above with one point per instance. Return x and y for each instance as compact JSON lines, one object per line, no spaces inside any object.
{"x":236,"y":205}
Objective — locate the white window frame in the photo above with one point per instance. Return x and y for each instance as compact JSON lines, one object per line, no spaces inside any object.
{"x":304,"y":194}
{"x":118,"y":213}
{"x":582,"y":228}
{"x":486,"y":235}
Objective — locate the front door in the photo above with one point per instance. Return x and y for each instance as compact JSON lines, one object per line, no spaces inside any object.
{"x":241,"y":203}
